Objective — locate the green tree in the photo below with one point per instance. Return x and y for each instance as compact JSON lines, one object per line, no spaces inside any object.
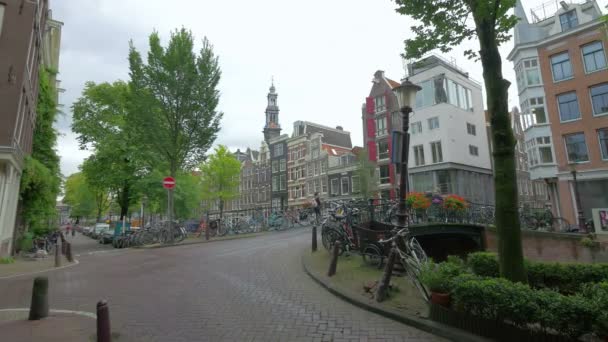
{"x":443,"y":24}
{"x":98,"y":182}
{"x":220,"y":177}
{"x":41,"y":180}
{"x":79,"y":197}
{"x":175,"y":97}
{"x":101,"y":122}
{"x":366,"y":170}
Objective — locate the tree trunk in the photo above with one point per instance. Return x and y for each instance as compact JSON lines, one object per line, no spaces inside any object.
{"x":124,"y":201}
{"x":507,"y":222}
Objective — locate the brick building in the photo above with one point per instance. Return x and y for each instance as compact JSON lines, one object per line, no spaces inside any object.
{"x":28,"y":39}
{"x":562,"y":77}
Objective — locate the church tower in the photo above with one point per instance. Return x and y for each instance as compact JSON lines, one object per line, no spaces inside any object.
{"x":272,"y":128}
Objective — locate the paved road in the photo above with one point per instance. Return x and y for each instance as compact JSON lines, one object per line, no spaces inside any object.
{"x":237,"y":290}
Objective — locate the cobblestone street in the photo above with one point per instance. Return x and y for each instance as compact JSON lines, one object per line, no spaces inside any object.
{"x":237,"y":290}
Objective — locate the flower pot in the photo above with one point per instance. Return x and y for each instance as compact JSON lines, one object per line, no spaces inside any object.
{"x":442,"y":299}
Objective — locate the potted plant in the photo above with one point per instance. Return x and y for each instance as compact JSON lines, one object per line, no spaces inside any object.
{"x":417,"y":202}
{"x":437,"y":278}
{"x":454,"y":206}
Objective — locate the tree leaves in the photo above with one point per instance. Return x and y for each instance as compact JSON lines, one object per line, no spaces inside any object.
{"x":220,"y":175}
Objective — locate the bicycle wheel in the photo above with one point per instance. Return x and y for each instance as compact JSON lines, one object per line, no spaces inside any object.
{"x":164,"y":236}
{"x":412,"y":269}
{"x":373,"y":256}
{"x":329,"y":237}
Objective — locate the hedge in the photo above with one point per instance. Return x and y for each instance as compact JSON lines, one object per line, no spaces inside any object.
{"x":523,"y":306}
{"x":564,"y":278}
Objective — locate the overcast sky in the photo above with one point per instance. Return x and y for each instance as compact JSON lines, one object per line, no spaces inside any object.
{"x":321,"y":53}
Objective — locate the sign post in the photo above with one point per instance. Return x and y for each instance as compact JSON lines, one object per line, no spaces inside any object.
{"x":169,"y":184}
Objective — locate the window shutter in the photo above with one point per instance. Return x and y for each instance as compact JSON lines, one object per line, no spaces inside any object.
{"x":372,"y":150}
{"x":371,"y":128}
{"x":369,"y":105}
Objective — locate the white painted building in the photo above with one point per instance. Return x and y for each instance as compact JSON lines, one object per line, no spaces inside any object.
{"x":449,"y":150}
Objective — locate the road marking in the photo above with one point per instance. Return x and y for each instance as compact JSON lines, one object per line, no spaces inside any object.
{"x":76,"y":262}
{"x":81,"y":313}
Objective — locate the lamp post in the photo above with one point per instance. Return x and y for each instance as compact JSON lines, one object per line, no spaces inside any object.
{"x":577,"y":198}
{"x":406,"y":96}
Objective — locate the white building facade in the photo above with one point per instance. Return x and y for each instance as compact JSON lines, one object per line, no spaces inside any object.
{"x":449,"y":152}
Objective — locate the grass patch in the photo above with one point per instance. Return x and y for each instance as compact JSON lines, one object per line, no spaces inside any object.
{"x":7,"y":260}
{"x":353,"y":275}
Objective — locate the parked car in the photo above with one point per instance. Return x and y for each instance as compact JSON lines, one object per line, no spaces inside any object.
{"x":106,"y":236}
{"x":99,"y":227}
{"x":86,"y":231}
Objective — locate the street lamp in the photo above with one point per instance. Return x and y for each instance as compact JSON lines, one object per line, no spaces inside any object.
{"x":577,"y":198}
{"x":406,"y":96}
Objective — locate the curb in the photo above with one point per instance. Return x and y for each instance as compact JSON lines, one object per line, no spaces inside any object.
{"x":76,"y":262}
{"x":426,"y":325}
{"x":235,"y":237}
{"x":55,"y":311}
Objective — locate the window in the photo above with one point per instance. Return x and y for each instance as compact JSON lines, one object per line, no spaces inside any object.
{"x":355,"y":181}
{"x":275,"y":166}
{"x":453,"y":93}
{"x":334,"y":186}
{"x":278,"y":150}
{"x":568,"y":20}
{"x":433,"y":123}
{"x":532,"y":72}
{"x":283,"y":182}
{"x":324,"y":184}
{"x":473,"y":150}
{"x":471,"y":129}
{"x":323,"y":167}
{"x":426,"y":96}
{"x":275,"y":183}
{"x":381,"y":125}
{"x":436,"y":151}
{"x":416,"y":127}
{"x":315,"y":147}
{"x":576,"y":147}
{"x":344,"y":185}
{"x":561,"y":66}
{"x":379,"y":103}
{"x":599,"y":99}
{"x":418,"y":155}
{"x":384,"y":174}
{"x":602,"y":137}
{"x":283,"y":164}
{"x":310,"y":170}
{"x":317,"y":168}
{"x":594,"y":57}
{"x":383,"y":150}
{"x":317,"y":183}
{"x":568,"y":107}
{"x":546,"y":157}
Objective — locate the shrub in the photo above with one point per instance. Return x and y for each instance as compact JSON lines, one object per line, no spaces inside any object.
{"x":598,"y":295}
{"x":7,"y":260}
{"x":518,"y":304}
{"x":440,"y":277}
{"x":484,"y":264}
{"x":26,"y":242}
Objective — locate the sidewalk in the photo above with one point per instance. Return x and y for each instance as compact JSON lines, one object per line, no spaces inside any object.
{"x":26,"y":266}
{"x":58,"y":327}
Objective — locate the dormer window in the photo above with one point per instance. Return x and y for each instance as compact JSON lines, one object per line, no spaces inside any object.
{"x":568,"y":20}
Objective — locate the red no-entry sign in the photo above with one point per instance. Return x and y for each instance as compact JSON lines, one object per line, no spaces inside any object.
{"x":168,"y":182}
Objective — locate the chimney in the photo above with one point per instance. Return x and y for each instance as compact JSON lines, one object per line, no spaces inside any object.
{"x":339,"y":128}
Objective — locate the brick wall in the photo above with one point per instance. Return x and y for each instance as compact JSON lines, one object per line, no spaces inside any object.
{"x":544,"y":246}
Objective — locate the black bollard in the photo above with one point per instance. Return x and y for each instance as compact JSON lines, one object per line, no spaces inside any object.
{"x":57,"y":256}
{"x":381,"y":291}
{"x":68,"y":252}
{"x":63,"y":246}
{"x":103,"y":322}
{"x":314,"y":238}
{"x":333,"y":264}
{"x":39,"y":307}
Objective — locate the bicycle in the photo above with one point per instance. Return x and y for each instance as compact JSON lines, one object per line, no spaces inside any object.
{"x":339,"y":228}
{"x":411,"y":256}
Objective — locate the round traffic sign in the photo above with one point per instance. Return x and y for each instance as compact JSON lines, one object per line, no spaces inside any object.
{"x":168,"y":182}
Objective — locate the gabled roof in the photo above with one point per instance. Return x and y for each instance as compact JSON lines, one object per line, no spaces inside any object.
{"x":331,"y":136}
{"x":392,"y":83}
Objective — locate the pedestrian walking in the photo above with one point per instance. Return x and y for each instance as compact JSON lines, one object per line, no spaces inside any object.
{"x":316,"y":203}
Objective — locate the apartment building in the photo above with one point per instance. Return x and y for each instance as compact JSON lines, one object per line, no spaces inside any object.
{"x":309,"y":150}
{"x":26,"y":42}
{"x":342,"y":176}
{"x":559,"y":57}
{"x":449,"y":150}
{"x":254,"y":188}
